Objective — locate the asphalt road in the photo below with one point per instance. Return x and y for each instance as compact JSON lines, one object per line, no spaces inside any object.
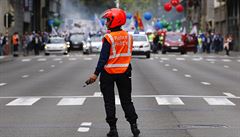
{"x":174,"y":95}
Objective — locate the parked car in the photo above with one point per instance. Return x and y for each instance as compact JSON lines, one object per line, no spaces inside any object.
{"x":173,"y":42}
{"x":56,"y":45}
{"x":76,"y":41}
{"x":141,"y":45}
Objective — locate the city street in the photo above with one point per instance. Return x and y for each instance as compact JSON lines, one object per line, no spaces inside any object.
{"x":192,"y":95}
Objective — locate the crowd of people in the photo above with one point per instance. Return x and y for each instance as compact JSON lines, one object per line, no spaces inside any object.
{"x":204,"y":42}
{"x":33,"y":43}
{"x":28,"y":43}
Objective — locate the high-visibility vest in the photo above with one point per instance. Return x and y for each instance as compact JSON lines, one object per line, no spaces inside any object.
{"x":15,"y":39}
{"x":120,"y":52}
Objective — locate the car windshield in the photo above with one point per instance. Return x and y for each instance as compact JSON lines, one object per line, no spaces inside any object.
{"x":77,"y":37}
{"x":96,"y":39}
{"x":173,"y":37}
{"x":57,"y":40}
{"x":139,"y":38}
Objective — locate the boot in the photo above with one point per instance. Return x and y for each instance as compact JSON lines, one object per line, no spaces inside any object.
{"x":135,"y":130}
{"x":113,"y":132}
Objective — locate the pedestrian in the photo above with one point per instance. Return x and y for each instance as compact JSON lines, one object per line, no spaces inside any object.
{"x":25,"y":44}
{"x":36,"y":44}
{"x":15,"y":42}
{"x":1,"y":44}
{"x":227,"y":41}
{"x":208,"y":42}
{"x":114,"y":67}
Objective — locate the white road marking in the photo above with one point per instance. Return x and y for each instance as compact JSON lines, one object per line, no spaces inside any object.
{"x":219,"y":101}
{"x":60,"y":62}
{"x":225,"y":66}
{"x":41,"y":70}
{"x":117,"y":100}
{"x":57,"y":59}
{"x":206,"y":83}
{"x":238,"y":60}
{"x":164,"y":58}
{"x":72,"y":59}
{"x":26,"y":60}
{"x":3,"y":84}
{"x":71,"y":101}
{"x":87,"y":59}
{"x":211,"y":60}
{"x":166,"y":65}
{"x":86,"y":124}
{"x":175,"y":69}
{"x":97,"y":94}
{"x":25,"y":76}
{"x":180,"y":59}
{"x":42,"y":59}
{"x":169,"y":101}
{"x":83,"y":129}
{"x":161,"y":61}
{"x":151,"y":58}
{"x":187,"y":76}
{"x":134,"y":96}
{"x":226,"y":60}
{"x":171,"y":55}
{"x":197,"y":59}
{"x":24,"y":101}
{"x":229,"y":94}
{"x":2,"y":57}
{"x":52,"y":66}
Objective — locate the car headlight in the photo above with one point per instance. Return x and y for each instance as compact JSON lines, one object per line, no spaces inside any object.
{"x":167,"y":44}
{"x":46,"y":47}
{"x":146,"y":45}
{"x":86,"y":45}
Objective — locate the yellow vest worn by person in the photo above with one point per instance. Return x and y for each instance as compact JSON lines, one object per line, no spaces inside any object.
{"x":120,"y":52}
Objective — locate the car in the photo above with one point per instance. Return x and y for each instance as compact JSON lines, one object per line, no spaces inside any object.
{"x":56,"y":45}
{"x":76,"y":41}
{"x":87,"y":46}
{"x":173,"y":42}
{"x":96,"y":43}
{"x":141,"y":45}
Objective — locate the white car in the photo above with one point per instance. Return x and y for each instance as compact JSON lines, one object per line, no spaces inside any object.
{"x":141,"y":45}
{"x":56,"y":45}
{"x":96,"y":44}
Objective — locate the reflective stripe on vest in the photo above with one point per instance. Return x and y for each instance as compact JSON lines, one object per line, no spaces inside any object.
{"x":116,"y":65}
{"x":114,"y":49}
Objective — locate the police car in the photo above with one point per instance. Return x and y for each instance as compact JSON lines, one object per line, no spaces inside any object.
{"x":141,"y":45}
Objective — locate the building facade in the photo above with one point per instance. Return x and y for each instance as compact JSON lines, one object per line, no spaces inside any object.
{"x":227,"y":19}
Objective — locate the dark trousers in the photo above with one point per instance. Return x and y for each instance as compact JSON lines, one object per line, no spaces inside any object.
{"x":124,"y":85}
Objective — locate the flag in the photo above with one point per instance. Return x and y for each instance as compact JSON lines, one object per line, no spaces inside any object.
{"x":138,"y":22}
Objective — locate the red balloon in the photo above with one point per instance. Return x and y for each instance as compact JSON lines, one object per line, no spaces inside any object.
{"x":174,"y":2}
{"x":179,"y":8}
{"x":167,"y":7}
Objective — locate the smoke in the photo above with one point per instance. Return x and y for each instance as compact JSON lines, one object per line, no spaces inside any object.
{"x":76,"y":16}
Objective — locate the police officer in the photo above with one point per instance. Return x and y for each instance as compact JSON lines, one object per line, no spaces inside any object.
{"x":114,"y":67}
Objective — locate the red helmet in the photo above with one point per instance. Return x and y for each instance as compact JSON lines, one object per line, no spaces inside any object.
{"x":115,"y":17}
